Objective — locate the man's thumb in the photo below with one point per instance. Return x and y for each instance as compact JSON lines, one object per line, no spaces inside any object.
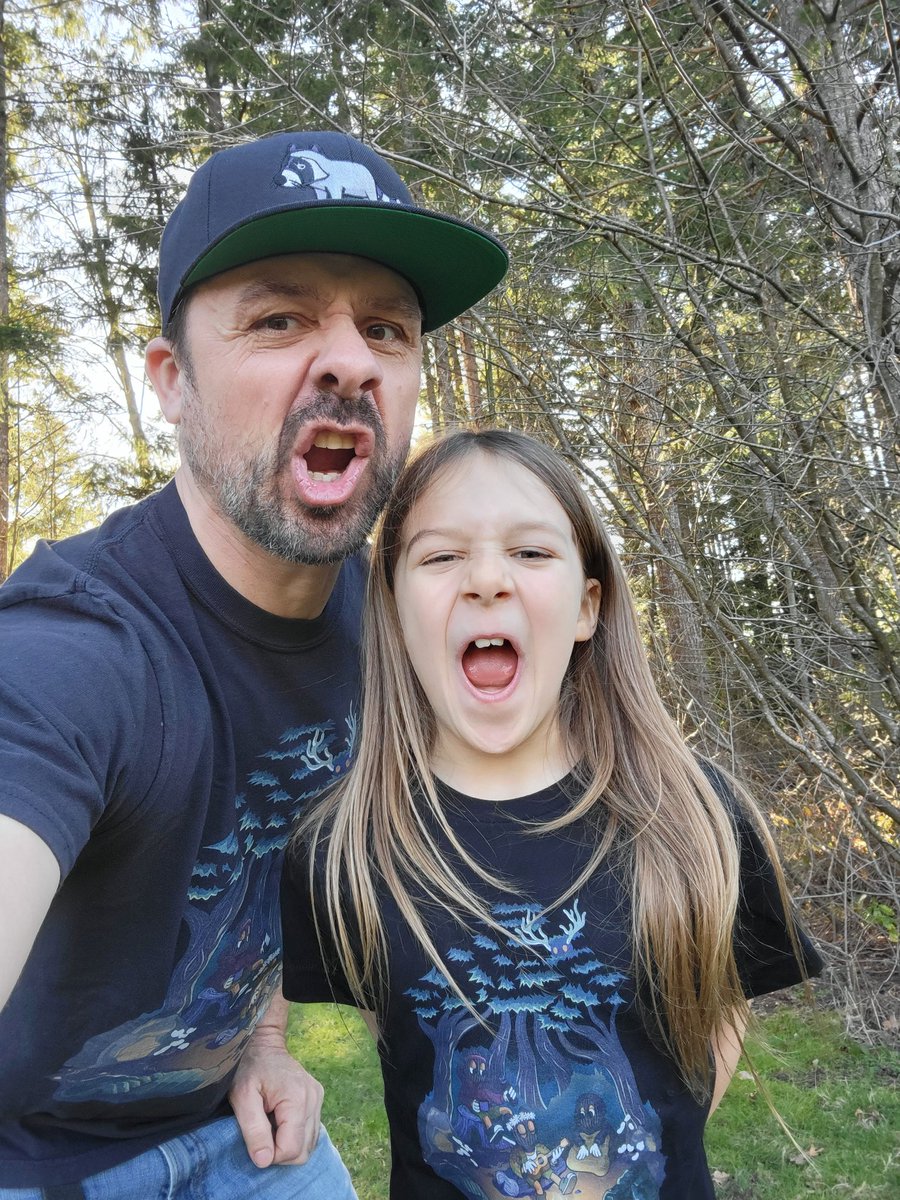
{"x":256,"y":1129}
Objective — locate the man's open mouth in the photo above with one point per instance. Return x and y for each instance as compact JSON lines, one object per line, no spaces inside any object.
{"x":330,"y":455}
{"x":328,"y":464}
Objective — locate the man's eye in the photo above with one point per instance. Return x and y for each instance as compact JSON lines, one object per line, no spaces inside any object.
{"x":277,"y":323}
{"x":381,"y":332}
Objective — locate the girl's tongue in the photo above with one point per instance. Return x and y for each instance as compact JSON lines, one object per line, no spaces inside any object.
{"x":489,"y":667}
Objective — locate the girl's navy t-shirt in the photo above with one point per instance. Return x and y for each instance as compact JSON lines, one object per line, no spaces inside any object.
{"x":559,"y":1089}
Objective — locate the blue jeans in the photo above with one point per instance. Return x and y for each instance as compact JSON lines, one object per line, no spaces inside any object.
{"x":211,"y":1163}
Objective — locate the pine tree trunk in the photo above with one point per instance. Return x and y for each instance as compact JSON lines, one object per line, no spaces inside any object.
{"x":111,"y":310}
{"x":4,"y":313}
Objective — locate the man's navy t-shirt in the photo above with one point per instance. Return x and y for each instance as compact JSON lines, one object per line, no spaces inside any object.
{"x":159,"y":733}
{"x":555,"y":1087}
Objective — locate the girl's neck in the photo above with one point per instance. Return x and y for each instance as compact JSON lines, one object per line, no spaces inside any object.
{"x":497,"y":777}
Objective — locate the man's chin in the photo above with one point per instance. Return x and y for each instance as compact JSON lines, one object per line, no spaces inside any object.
{"x":318,"y":537}
{"x":282,"y":524}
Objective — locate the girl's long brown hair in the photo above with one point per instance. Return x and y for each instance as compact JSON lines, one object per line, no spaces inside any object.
{"x":642,"y":790}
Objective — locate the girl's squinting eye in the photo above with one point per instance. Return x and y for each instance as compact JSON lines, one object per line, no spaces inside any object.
{"x":444,"y":556}
{"x":530,"y":552}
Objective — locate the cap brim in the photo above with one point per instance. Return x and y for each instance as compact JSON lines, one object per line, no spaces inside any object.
{"x":450,"y":264}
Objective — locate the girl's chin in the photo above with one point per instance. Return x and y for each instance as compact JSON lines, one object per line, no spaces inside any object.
{"x":496,"y":746}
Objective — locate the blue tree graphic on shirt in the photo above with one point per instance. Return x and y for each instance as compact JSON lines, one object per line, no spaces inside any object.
{"x":507,"y":1111}
{"x":230,"y":966}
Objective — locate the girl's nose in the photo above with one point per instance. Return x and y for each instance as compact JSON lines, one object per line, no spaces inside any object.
{"x":488,"y":578}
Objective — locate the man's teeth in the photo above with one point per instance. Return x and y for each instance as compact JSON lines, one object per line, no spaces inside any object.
{"x":330,"y":439}
{"x":483,"y":643}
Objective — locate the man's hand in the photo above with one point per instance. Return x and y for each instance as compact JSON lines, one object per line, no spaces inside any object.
{"x":277,"y":1104}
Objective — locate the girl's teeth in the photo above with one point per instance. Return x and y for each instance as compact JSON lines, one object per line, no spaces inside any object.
{"x":483,"y":643}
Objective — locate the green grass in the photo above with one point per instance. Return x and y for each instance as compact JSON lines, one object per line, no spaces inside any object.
{"x":335,"y":1046}
{"x":835,"y":1095}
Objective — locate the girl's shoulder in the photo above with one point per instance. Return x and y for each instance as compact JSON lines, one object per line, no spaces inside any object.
{"x":746,"y":818}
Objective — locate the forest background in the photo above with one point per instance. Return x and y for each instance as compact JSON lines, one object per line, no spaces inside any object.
{"x":702,"y":202}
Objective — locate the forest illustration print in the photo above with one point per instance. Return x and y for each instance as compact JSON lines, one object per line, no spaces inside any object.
{"x":230,"y":967}
{"x":537,"y":1097}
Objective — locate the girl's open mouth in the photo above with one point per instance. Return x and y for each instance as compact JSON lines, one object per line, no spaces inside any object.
{"x":490,"y":663}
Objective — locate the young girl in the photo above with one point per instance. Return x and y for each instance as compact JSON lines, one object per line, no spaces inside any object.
{"x":554,"y":911}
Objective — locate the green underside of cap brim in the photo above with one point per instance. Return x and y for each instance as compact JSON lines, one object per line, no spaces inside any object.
{"x":450,"y":266}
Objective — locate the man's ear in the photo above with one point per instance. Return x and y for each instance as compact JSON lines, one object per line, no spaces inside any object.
{"x":166,"y":376}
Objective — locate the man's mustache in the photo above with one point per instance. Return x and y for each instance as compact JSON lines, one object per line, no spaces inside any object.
{"x":328,"y":406}
{"x":335,"y":410}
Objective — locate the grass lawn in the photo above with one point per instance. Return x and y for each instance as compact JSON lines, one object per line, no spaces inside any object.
{"x":335,"y":1046}
{"x":839,"y":1098}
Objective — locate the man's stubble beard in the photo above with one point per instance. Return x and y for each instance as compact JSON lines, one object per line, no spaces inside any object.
{"x":247,"y":492}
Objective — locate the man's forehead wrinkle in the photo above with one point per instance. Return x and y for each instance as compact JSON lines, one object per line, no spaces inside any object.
{"x":261,"y":289}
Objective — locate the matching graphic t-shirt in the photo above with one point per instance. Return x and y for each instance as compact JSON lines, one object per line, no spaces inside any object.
{"x":546,"y":1083}
{"x":160,"y":734}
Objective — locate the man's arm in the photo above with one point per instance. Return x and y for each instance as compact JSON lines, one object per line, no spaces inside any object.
{"x":29,"y":877}
{"x":727,"y":1044}
{"x":277,"y":1104}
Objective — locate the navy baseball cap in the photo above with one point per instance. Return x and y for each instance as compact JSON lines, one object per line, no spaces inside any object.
{"x":322,"y":192}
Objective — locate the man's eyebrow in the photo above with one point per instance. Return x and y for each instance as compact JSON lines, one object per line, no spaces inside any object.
{"x":263,"y":289}
{"x":396,"y":303}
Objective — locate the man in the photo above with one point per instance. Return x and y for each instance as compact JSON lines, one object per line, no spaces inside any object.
{"x":177,"y":683}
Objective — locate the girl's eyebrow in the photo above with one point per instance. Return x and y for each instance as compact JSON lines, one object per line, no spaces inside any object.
{"x":522,"y":528}
{"x":424,"y":533}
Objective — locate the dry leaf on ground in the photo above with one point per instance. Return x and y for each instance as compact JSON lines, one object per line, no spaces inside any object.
{"x":805,"y":1155}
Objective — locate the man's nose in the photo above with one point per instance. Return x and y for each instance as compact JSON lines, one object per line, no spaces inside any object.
{"x":345,"y":362}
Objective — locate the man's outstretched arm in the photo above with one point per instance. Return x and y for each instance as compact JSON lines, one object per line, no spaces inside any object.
{"x":29,"y":877}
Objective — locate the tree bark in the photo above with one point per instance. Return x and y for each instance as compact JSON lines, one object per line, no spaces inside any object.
{"x":5,"y":404}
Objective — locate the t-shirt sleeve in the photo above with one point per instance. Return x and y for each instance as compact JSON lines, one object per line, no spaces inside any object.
{"x":79,"y":715}
{"x":312,"y":971}
{"x":764,"y":948}
{"x":766,"y":957}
